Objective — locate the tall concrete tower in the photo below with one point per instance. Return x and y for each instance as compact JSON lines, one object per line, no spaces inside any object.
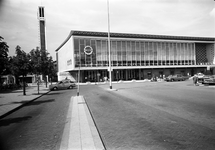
{"x":42,"y":27}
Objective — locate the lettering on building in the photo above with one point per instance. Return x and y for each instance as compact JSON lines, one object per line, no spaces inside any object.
{"x":69,"y":62}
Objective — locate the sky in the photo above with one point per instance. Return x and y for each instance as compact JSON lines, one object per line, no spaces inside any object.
{"x":19,"y":24}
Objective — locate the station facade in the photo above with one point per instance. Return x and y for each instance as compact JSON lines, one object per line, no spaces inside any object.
{"x":133,"y":56}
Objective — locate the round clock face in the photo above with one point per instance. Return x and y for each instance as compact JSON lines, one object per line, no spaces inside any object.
{"x":88,"y":50}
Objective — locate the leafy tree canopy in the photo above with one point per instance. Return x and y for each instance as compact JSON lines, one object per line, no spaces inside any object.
{"x":41,"y":63}
{"x":21,"y":62}
{"x":4,"y":49}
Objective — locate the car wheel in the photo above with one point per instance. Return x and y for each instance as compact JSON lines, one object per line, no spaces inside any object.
{"x":172,"y":80}
{"x":55,"y":88}
{"x":70,"y":87}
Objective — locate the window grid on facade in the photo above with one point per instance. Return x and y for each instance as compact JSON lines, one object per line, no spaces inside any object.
{"x":133,"y":53}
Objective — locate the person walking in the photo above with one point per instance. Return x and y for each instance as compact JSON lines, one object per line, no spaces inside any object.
{"x":195,"y":79}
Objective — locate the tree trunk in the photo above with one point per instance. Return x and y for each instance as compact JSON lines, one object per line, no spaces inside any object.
{"x":46,"y":80}
{"x":23,"y":81}
{"x":38,"y":86}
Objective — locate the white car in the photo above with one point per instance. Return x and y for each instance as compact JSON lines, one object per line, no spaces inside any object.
{"x":64,"y":84}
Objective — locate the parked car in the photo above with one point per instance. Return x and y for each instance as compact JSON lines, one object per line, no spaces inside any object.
{"x":200,"y":77}
{"x":209,"y":79}
{"x":176,"y":77}
{"x":64,"y":84}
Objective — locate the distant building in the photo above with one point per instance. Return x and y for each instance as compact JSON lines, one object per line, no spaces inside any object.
{"x":7,"y":80}
{"x":31,"y":79}
{"x":133,"y":56}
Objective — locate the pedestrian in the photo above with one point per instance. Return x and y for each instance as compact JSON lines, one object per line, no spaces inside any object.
{"x":105,"y":79}
{"x":195,"y":79}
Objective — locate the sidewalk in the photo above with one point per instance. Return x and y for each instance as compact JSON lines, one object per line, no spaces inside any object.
{"x":79,"y":132}
{"x":10,"y":101}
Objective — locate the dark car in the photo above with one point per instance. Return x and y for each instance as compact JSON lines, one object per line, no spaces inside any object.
{"x":209,"y":79}
{"x":64,"y":84}
{"x":177,"y":77}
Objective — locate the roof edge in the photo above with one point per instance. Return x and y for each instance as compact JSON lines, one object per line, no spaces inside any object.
{"x":69,"y":36}
{"x":144,"y":36}
{"x":137,"y":35}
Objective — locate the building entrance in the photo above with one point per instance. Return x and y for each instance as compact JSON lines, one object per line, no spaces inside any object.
{"x":94,"y":75}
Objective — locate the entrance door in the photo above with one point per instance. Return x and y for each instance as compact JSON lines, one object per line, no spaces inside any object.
{"x":149,"y":75}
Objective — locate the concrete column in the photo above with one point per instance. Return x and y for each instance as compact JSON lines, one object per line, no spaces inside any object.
{"x":126,"y":74}
{"x":139,"y":74}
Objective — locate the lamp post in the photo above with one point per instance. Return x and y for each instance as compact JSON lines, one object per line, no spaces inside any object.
{"x":110,"y":75}
{"x":78,"y":90}
{"x":78,"y":81}
{"x":88,"y":50}
{"x":38,"y":84}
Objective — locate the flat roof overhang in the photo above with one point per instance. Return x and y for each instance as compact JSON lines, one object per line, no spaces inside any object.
{"x":136,"y":36}
{"x":142,"y":36}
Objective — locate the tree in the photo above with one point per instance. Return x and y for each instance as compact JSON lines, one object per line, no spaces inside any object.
{"x":52,"y":71}
{"x":21,"y":65}
{"x":35,"y":61}
{"x":45,"y":64}
{"x":4,"y":49}
{"x":41,"y":63}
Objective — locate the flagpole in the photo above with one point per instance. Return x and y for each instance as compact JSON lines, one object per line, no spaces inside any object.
{"x":110,"y":75}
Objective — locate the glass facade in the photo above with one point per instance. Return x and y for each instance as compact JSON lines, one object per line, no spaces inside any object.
{"x":133,"y":53}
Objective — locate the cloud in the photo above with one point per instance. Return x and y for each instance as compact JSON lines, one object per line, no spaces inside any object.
{"x":19,"y":24}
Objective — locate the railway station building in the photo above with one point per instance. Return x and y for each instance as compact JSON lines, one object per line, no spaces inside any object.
{"x":133,"y":56}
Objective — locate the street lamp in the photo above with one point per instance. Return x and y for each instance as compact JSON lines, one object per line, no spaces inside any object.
{"x":110,"y":76}
{"x":38,"y":86}
{"x":78,"y":90}
{"x":88,"y":50}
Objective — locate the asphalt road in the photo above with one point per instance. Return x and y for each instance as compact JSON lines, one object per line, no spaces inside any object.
{"x":155,"y":116}
{"x":38,"y":125}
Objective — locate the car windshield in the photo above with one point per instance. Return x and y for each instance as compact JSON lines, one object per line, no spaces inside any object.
{"x":200,"y":74}
{"x":213,"y":76}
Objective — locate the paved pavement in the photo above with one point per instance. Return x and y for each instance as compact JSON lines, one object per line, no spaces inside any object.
{"x":80,"y":131}
{"x":11,"y":101}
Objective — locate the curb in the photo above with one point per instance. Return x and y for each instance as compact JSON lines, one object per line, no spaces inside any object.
{"x":99,"y":133}
{"x":22,"y":105}
{"x":80,"y":131}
